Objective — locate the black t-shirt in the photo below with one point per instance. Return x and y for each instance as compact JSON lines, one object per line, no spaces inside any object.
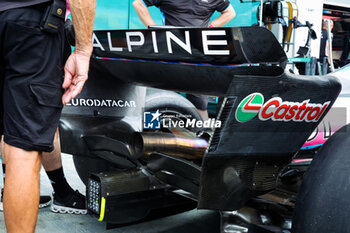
{"x":10,"y":4}
{"x":324,"y":38}
{"x":188,"y":12}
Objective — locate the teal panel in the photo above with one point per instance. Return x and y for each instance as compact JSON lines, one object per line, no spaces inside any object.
{"x":112,"y":14}
{"x":245,"y":14}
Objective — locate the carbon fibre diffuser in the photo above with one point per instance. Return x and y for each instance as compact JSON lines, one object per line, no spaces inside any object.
{"x":128,"y":196}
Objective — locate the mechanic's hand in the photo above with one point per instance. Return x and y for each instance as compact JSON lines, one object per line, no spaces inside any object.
{"x":75,"y":74}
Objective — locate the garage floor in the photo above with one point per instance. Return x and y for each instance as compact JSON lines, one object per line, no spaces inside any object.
{"x":191,"y":221}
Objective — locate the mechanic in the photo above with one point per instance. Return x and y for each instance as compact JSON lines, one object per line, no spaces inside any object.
{"x":31,"y":71}
{"x":66,"y":200}
{"x":324,"y":45}
{"x":188,"y":13}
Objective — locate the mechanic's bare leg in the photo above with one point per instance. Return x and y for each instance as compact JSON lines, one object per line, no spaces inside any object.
{"x":22,"y":189}
{"x":65,"y":198}
{"x":2,"y":158}
{"x":52,"y":161}
{"x":3,"y":171}
{"x":201,"y":104}
{"x":204,"y":114}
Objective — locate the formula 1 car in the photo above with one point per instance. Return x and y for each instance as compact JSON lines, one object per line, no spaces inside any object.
{"x":247,"y":168}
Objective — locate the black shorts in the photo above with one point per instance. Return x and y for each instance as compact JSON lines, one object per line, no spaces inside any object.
{"x":31,"y":76}
{"x":199,"y":101}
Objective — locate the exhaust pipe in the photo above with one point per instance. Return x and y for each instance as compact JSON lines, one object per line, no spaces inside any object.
{"x":145,"y":143}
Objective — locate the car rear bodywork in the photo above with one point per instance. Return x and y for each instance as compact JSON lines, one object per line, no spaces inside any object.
{"x":266,"y":114}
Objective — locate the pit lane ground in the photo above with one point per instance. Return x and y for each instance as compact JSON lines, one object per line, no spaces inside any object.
{"x":191,"y":221}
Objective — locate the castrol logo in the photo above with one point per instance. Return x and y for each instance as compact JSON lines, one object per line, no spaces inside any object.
{"x":276,"y":109}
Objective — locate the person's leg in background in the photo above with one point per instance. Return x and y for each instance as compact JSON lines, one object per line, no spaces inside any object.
{"x":65,"y":199}
{"x":201,"y":103}
{"x":203,"y":113}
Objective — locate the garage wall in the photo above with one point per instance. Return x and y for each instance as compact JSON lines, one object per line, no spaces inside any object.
{"x":310,"y":10}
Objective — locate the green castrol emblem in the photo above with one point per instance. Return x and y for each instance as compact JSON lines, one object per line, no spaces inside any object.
{"x":249,"y":107}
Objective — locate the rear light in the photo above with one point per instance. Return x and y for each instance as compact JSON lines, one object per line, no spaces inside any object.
{"x":94,"y":195}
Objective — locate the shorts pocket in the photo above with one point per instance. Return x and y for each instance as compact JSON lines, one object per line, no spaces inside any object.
{"x":27,"y":50}
{"x":24,"y":26}
{"x":40,"y":117}
{"x":47,"y":95}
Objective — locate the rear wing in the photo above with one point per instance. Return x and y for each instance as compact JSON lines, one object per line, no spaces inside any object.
{"x":235,"y":45}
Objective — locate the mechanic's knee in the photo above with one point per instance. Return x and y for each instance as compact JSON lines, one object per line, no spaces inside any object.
{"x":17,"y":155}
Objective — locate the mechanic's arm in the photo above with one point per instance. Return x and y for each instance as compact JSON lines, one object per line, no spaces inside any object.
{"x":77,"y":65}
{"x":328,"y":52}
{"x":143,"y":13}
{"x":225,"y":17}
